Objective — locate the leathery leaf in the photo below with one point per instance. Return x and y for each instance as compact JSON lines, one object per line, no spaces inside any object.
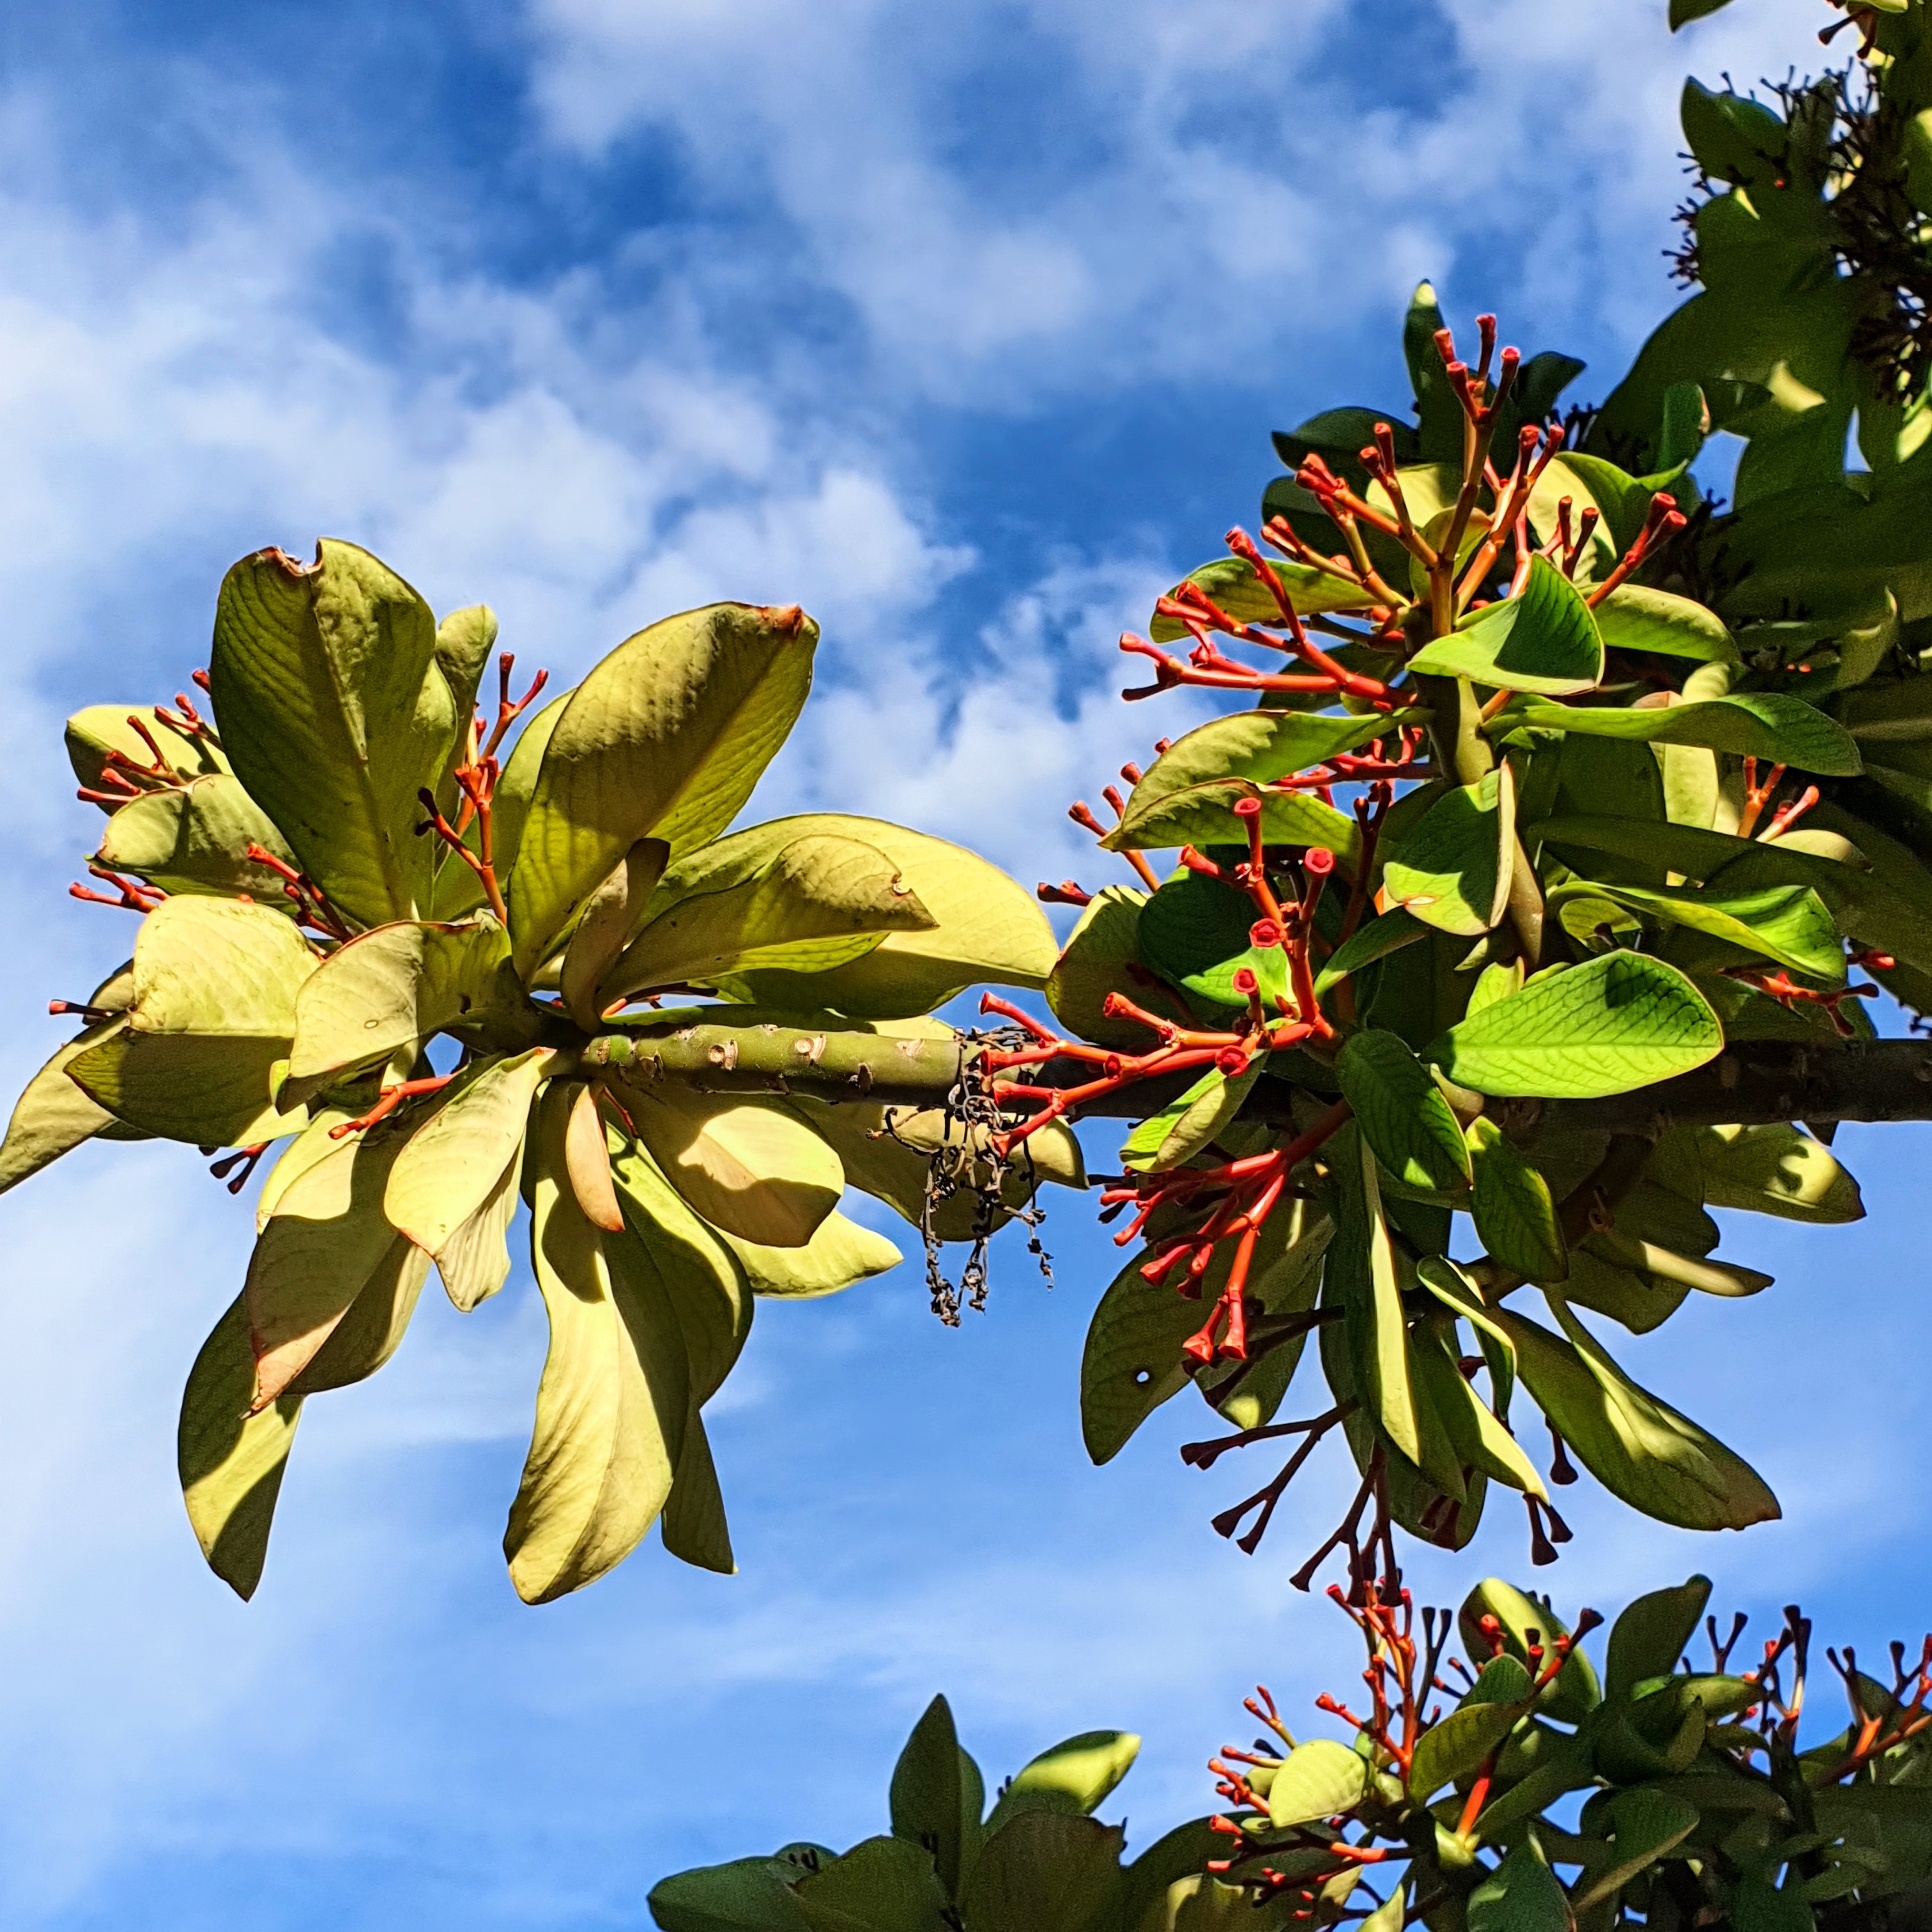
{"x":665,"y":738}
{"x":102,"y":735}
{"x":453,"y":1163}
{"x":987,"y":929}
{"x":195,"y":839}
{"x":53,"y":1116}
{"x":392,"y":989}
{"x":1544,"y":639}
{"x":819,"y":900}
{"x":1187,"y":1124}
{"x":1401,"y":1111}
{"x":612,"y":1401}
{"x":1452,"y":870}
{"x":1515,"y":1214}
{"x":230,"y":1460}
{"x":1360,"y":1276}
{"x":334,"y":714}
{"x":214,"y":988}
{"x":1639,"y":1447}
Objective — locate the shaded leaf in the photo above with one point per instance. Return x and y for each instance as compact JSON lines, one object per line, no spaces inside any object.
{"x":1044,"y":1872}
{"x":1093,"y":963}
{"x":1543,"y":639}
{"x":1515,"y":1214}
{"x":758,"y":1172}
{"x":1521,"y":1894}
{"x":1452,"y":871}
{"x":937,"y":1794}
{"x":1651,"y":1634}
{"x":195,"y":839}
{"x":1188,"y":1123}
{"x":693,"y":1523}
{"x":840,"y":1254}
{"x":1753,"y":723}
{"x":1401,"y":1113}
{"x":53,"y":1116}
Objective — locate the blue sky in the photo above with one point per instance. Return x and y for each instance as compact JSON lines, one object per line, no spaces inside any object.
{"x":964,"y":328}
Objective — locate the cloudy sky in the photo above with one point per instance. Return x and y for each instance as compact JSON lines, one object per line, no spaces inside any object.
{"x":965,"y":327}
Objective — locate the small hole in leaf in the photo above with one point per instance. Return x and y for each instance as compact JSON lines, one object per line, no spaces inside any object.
{"x":1142,"y":1377}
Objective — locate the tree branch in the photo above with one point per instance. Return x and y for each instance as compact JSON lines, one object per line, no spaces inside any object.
{"x":1750,"y":1083}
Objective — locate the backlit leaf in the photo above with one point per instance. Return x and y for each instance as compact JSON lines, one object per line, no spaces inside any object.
{"x":1452,"y":871}
{"x":1790,"y":924}
{"x":197,"y":840}
{"x":1544,"y":639}
{"x":1516,"y":1217}
{"x":1233,"y":584}
{"x":1776,"y":1169}
{"x":755,"y":1171}
{"x":1753,"y":723}
{"x":1316,"y":1780}
{"x":53,"y":1116}
{"x":840,"y":1253}
{"x":1617,"y":1022}
{"x":1634,"y":617}
{"x":1187,"y":1124}
{"x":1094,"y":963}
{"x":1401,"y":1113}
{"x":1204,"y":814}
{"x":1262,"y":745}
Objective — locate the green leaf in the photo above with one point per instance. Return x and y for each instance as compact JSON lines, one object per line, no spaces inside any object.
{"x":1317,"y":1779}
{"x":391,"y":990}
{"x":1391,"y":1915}
{"x":335,"y":713}
{"x":53,"y":1116}
{"x":881,"y":1885}
{"x":1204,"y":814}
{"x":1790,"y":924}
{"x":1634,"y":617}
{"x":1776,"y":1169}
{"x":611,"y":917}
{"x":988,"y":930}
{"x":93,"y":732}
{"x":1401,"y":1112}
{"x":1044,"y":1872}
{"x":1516,"y":1217}
{"x":709,"y":1291}
{"x":464,"y":640}
{"x":666,"y":737}
{"x":1756,"y":1905}
{"x":746,"y":1895}
{"x":1132,"y":1362}
{"x":1639,"y":1447}
{"x":326,"y":1242}
{"x":474,"y":1261}
{"x":215,"y":983}
{"x":612,"y":1403}
{"x":1456,"y":1747}
{"x":693,"y":1523}
{"x":1094,"y":962}
{"x":1477,"y":1439}
{"x":1389,"y":933}
{"x":1452,"y":871}
{"x":1683,"y":12}
{"x":840,"y":1254}
{"x":799,"y":904}
{"x":1543,"y":639}
{"x":454,"y":1162}
{"x":1731,"y":137}
{"x":1262,"y":745}
{"x":1074,"y":1777}
{"x":197,"y":840}
{"x":1234,"y":584}
{"x":1521,"y":1894}
{"x":1361,"y":1273}
{"x":758,"y":1172}
{"x":231,"y":1461}
{"x":1645,"y":1823}
{"x":1448,"y":1282}
{"x":1753,"y":723}
{"x":937,"y":1794}
{"x":1573,"y":1694}
{"x":1185,"y":1126}
{"x":1618,"y":1022}
{"x":895,"y":1167}
{"x":1194,"y":933}
{"x":1652,"y":1633}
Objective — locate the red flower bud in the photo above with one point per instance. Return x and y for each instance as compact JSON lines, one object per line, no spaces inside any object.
{"x":1245,"y":982}
{"x":1265,"y":933}
{"x":1320,"y":861}
{"x":1231,"y":1061}
{"x":1247,"y":808}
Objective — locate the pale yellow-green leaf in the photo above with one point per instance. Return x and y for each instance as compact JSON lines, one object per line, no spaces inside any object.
{"x":758,"y":1172}
{"x":391,"y":989}
{"x":611,"y":917}
{"x":326,"y":1241}
{"x":614,"y":1398}
{"x":1776,"y":1170}
{"x":231,"y":1462}
{"x":840,"y":1253}
{"x":666,"y":737}
{"x":988,"y":930}
{"x":451,"y":1165}
{"x":215,"y":983}
{"x":708,"y":1287}
{"x":475,"y":1261}
{"x":53,"y":1116}
{"x":816,"y":901}
{"x":335,"y":713}
{"x":693,"y":1524}
{"x":195,"y":839}
{"x":93,"y":733}
{"x":888,"y":1152}
{"x":373,"y":1329}
{"x":315,"y":1143}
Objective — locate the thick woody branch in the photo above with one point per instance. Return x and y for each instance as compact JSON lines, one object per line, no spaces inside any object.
{"x":1749,"y":1084}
